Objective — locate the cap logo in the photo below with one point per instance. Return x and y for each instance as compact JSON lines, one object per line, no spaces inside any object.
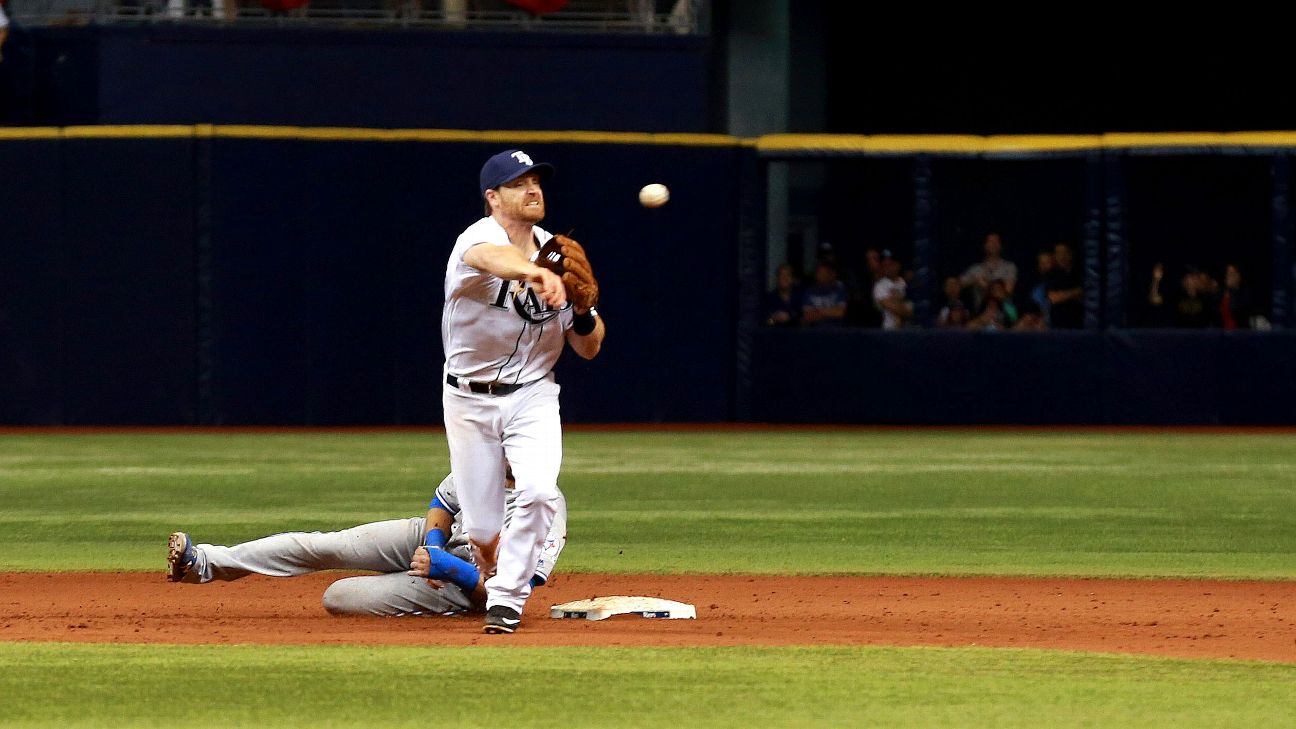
{"x":523,"y":158}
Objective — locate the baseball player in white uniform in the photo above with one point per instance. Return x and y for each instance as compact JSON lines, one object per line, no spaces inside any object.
{"x":502,"y":329}
{"x":424,"y":563}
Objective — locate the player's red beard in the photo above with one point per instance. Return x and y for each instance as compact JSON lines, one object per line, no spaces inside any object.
{"x":531,"y":213}
{"x":518,"y":207}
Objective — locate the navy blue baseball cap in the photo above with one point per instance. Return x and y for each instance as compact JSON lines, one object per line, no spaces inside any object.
{"x":510,"y":165}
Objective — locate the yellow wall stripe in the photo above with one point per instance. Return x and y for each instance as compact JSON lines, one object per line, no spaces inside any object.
{"x":137,"y":131}
{"x":30,"y":133}
{"x":1200,"y":139}
{"x":933,"y":143}
{"x":770,"y":143}
{"x":371,"y":135}
{"x":965,"y":144}
{"x":460,"y":135}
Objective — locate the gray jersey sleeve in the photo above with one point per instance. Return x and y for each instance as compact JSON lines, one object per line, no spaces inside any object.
{"x":457,"y":542}
{"x":447,"y":495}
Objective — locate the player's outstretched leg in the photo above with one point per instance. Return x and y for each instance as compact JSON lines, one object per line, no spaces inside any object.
{"x":384,"y":546}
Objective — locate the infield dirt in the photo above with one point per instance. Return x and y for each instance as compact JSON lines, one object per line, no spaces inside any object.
{"x":1183,"y":618}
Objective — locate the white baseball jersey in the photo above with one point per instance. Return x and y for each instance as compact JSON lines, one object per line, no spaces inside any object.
{"x":884,"y":289}
{"x":494,"y":330}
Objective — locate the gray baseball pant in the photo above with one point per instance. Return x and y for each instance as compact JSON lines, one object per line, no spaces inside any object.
{"x":385,"y":547}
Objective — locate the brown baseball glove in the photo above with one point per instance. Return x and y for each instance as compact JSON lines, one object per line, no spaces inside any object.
{"x":566,"y":257}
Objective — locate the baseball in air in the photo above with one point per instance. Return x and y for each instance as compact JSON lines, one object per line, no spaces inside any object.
{"x":654,"y":195}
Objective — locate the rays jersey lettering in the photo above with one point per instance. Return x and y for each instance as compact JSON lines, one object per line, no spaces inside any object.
{"x":526,"y":302}
{"x":494,"y":330}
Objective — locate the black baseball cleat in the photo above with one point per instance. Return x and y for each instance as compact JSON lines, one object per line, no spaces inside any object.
{"x":502,"y":619}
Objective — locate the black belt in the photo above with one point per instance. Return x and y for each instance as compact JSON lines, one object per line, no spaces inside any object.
{"x":485,"y":388}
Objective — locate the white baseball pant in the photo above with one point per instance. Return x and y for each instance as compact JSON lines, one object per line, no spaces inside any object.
{"x":487,"y":433}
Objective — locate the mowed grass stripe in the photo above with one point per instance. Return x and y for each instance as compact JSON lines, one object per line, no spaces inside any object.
{"x":576,"y":467}
{"x":851,"y":502}
{"x":199,"y":686}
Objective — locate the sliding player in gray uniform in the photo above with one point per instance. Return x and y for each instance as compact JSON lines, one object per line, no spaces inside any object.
{"x":506,"y":321}
{"x":424,"y":562}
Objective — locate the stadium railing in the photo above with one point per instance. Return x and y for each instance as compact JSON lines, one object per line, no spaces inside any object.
{"x":680,"y":17}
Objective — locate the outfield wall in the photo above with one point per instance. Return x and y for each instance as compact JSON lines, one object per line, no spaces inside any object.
{"x":292,"y":276}
{"x":1155,"y":377}
{"x":175,"y":275}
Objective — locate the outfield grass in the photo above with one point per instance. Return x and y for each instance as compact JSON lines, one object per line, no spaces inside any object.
{"x":103,"y":685}
{"x":923,"y":502}
{"x":857,"y":502}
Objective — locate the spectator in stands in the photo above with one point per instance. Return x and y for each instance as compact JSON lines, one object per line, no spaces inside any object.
{"x":782,"y":304}
{"x":1065,"y":287}
{"x":845,"y":273}
{"x":890,"y":294}
{"x":4,"y":29}
{"x":1039,"y":292}
{"x":1194,"y":308}
{"x":959,"y":318}
{"x":954,"y":312}
{"x":860,"y":310}
{"x":825,"y":253}
{"x":998,"y":311}
{"x":539,"y":7}
{"x":1235,"y":306}
{"x":1158,"y":310}
{"x":873,"y":264}
{"x":859,"y":307}
{"x":1031,"y":319}
{"x":281,"y":8}
{"x":994,"y":267}
{"x":1209,"y":285}
{"x":226,"y":9}
{"x":990,"y":318}
{"x":999,"y":292}
{"x":824,"y":303}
